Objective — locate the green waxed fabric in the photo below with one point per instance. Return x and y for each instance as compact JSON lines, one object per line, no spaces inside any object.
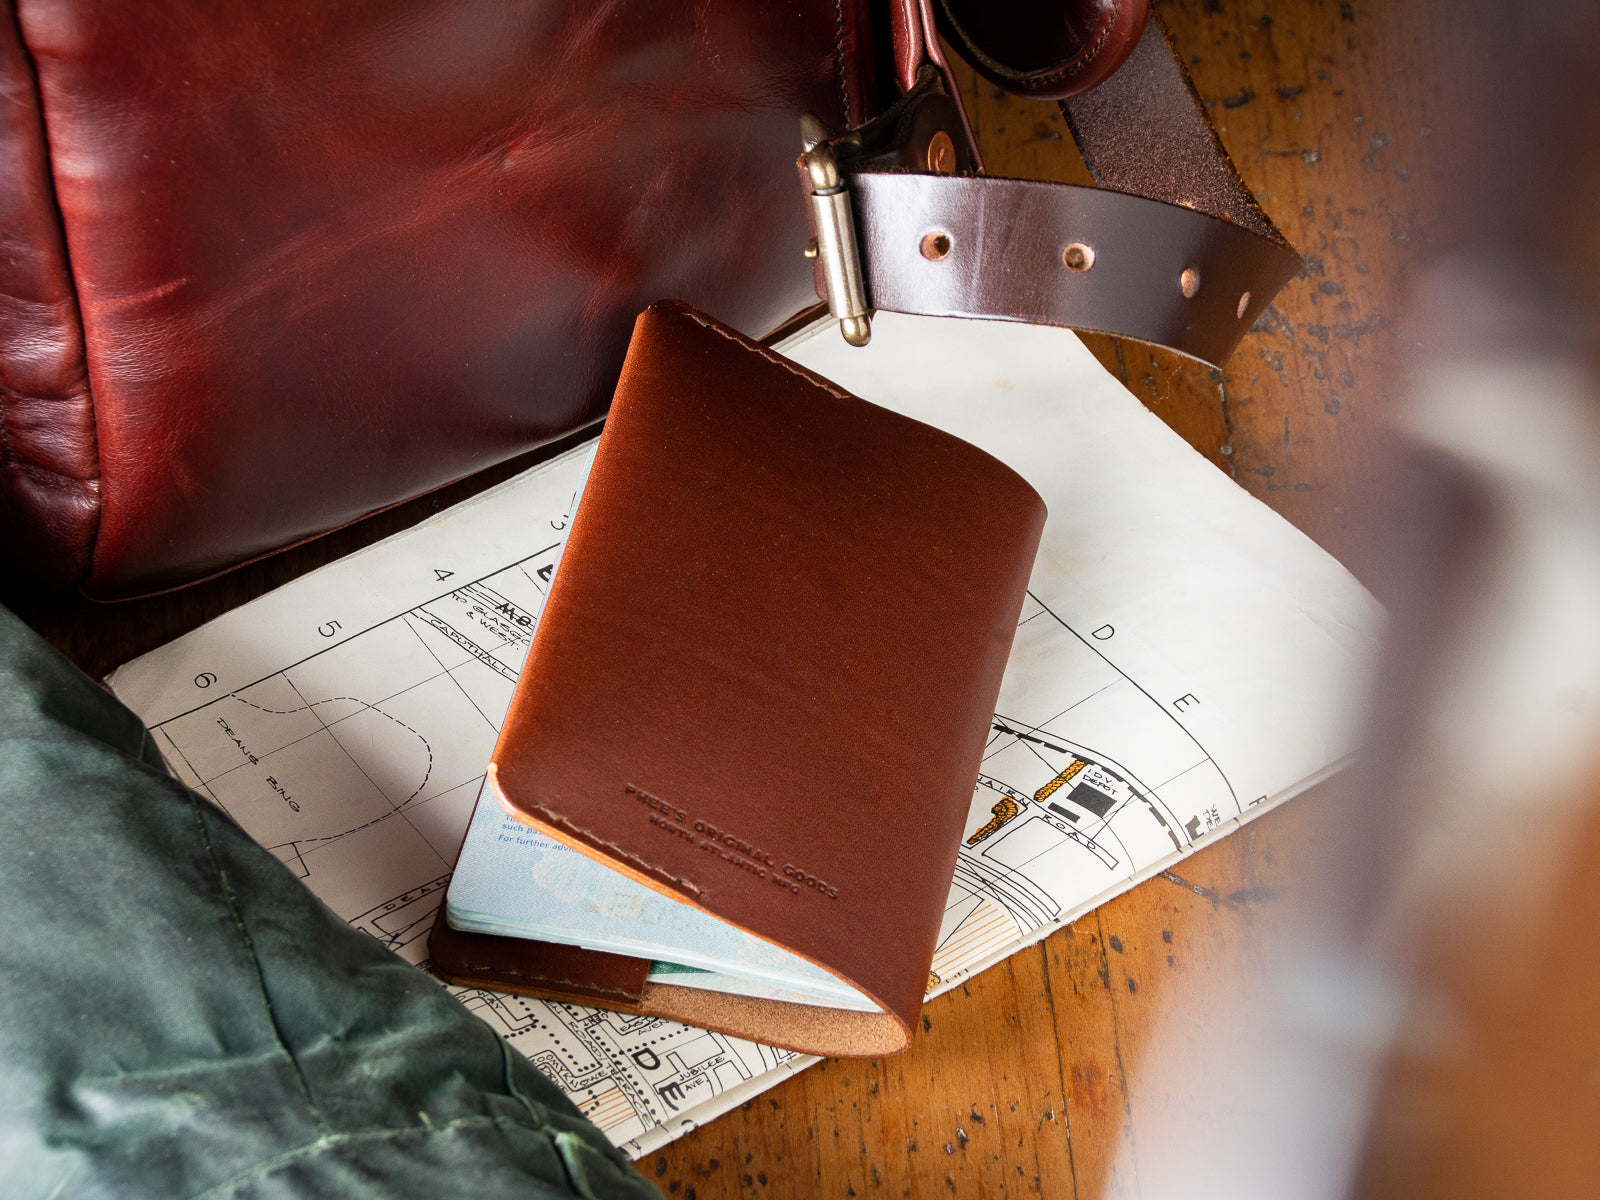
{"x":179,"y":1017}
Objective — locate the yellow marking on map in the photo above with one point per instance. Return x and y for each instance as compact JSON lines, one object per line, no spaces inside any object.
{"x":981,"y":934}
{"x":607,"y":1109}
{"x":1049,"y":789}
{"x":1004,"y":809}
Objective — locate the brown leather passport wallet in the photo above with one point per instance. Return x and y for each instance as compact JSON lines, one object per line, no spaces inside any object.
{"x":762,"y":682}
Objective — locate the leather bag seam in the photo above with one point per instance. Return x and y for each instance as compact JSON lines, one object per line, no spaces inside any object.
{"x":838,"y":64}
{"x":1080,"y":62}
{"x":91,"y":542}
{"x":46,"y":476}
{"x":9,"y":456}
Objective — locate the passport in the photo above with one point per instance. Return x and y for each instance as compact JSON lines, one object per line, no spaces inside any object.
{"x":735,"y":772}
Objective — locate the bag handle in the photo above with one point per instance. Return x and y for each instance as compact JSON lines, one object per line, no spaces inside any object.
{"x":1043,"y":48}
{"x":1171,"y":248}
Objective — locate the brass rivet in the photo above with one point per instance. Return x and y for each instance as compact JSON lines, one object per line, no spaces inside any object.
{"x":1078,"y":257}
{"x":1189,"y":282}
{"x":821,"y":168}
{"x":935,"y":246}
{"x":941,"y":154}
{"x":1244,"y":303}
{"x":811,"y":249}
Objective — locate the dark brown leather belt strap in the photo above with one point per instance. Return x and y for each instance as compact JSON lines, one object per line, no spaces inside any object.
{"x":1189,"y":264}
{"x":1159,"y":273}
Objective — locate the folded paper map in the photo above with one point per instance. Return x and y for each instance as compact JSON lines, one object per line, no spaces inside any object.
{"x":1184,"y":660}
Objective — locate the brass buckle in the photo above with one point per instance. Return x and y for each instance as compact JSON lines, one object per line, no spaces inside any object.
{"x":834,"y":246}
{"x":917,"y":134}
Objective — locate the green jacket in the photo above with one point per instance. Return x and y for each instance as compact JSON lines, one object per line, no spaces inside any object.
{"x":179,"y":1017}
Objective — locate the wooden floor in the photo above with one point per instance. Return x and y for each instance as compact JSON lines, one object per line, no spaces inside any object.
{"x":1035,"y":1079}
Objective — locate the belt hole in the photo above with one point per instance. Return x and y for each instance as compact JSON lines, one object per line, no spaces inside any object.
{"x":935,"y":246}
{"x":1077,"y":257}
{"x":1189,"y":282}
{"x":1244,"y":303}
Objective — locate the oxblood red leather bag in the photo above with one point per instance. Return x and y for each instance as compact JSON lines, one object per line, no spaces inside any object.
{"x":270,"y":267}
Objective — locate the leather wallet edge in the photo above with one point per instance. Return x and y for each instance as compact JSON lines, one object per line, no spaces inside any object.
{"x":551,"y":972}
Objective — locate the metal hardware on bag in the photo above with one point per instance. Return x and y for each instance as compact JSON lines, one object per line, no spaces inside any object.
{"x":835,"y":247}
{"x":812,"y":131}
{"x":919,"y":134}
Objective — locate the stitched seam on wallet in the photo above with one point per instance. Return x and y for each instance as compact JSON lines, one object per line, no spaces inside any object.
{"x":577,"y":985}
{"x":770,"y":356}
{"x":666,"y":876}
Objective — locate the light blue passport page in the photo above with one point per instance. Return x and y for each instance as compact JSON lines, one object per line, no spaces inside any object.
{"x":514,"y":881}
